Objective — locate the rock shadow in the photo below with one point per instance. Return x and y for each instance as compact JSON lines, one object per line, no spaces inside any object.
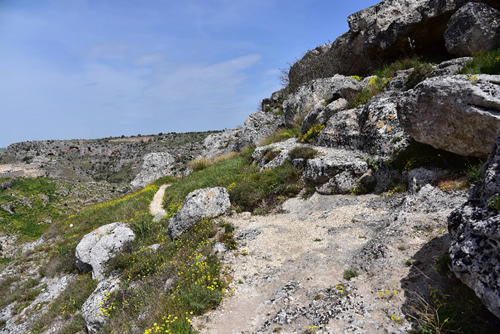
{"x":432,"y":289}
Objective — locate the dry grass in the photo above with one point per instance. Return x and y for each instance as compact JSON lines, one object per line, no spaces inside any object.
{"x":203,"y":162}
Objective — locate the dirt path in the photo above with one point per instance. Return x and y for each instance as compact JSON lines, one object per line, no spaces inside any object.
{"x":288,"y":274}
{"x":155,"y":207}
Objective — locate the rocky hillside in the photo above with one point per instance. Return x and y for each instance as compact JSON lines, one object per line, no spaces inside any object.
{"x":361,"y":198}
{"x":116,"y":160}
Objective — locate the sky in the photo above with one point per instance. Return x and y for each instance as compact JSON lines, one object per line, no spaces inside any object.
{"x":83,"y":69}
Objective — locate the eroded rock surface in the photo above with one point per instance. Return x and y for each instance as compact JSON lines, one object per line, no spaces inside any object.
{"x":101,"y":245}
{"x":473,"y":28}
{"x":459,"y":114}
{"x":199,"y":204}
{"x":95,"y":310}
{"x":474,"y":229}
{"x":155,"y":166}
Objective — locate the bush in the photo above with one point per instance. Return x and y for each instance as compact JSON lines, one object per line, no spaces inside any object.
{"x":484,"y":63}
{"x":312,"y":133}
{"x":375,"y":86}
{"x":303,"y":152}
{"x":420,"y":72}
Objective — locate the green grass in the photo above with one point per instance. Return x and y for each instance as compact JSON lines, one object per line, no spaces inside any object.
{"x":26,"y":200}
{"x":375,"y":86}
{"x":350,"y":273}
{"x":249,"y":188}
{"x":484,"y":63}
{"x":282,"y":135}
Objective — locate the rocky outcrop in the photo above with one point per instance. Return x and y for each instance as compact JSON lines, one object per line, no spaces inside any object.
{"x":99,"y":246}
{"x":95,"y":310}
{"x":341,"y":130}
{"x":381,"y":131}
{"x":274,"y":155}
{"x":155,"y":166}
{"x":321,"y":114}
{"x":198,"y":204}
{"x":341,"y":169}
{"x":475,"y":245}
{"x":258,"y":126}
{"x":221,"y":143}
{"x":473,"y":28}
{"x":380,"y":34}
{"x":459,"y":114}
{"x":316,"y":93}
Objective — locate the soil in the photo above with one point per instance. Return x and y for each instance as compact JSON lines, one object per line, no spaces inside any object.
{"x":289,"y":274}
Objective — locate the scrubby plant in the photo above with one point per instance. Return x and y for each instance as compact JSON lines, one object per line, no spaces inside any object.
{"x":303,"y":152}
{"x":375,"y":86}
{"x":484,"y":63}
{"x":350,"y":273}
{"x":281,"y":135}
{"x":421,"y":71}
{"x":312,"y":133}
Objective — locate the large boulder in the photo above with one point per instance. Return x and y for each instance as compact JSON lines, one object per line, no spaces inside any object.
{"x":475,"y":236}
{"x":389,"y":30}
{"x":221,"y":143}
{"x":473,"y":28}
{"x":320,"y":114}
{"x":341,"y":130}
{"x":258,"y":126}
{"x":336,"y":170}
{"x":327,"y":90}
{"x":96,"y":309}
{"x":459,"y":114}
{"x":199,"y":204}
{"x":381,"y":131}
{"x":155,"y":166}
{"x":99,"y":246}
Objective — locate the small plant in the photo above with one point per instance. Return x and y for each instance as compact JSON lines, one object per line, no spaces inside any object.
{"x":420,"y":72}
{"x":350,"y":273}
{"x":302,"y":152}
{"x":474,"y":172}
{"x":485,"y":62}
{"x":494,"y":203}
{"x":375,"y":86}
{"x":312,"y":133}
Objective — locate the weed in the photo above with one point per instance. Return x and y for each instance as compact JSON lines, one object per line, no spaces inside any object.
{"x":303,"y":152}
{"x":350,"y":273}
{"x":485,"y":62}
{"x":420,"y":72}
{"x":494,"y":203}
{"x":473,"y":171}
{"x":312,"y":133}
{"x":281,"y":135}
{"x":375,"y":86}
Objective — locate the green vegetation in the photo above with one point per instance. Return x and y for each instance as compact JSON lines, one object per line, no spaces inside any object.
{"x":350,"y":273}
{"x":249,"y":188}
{"x":485,"y":62}
{"x":282,"y":135}
{"x":29,"y":206}
{"x":303,"y":152}
{"x":454,"y":308}
{"x":375,"y":86}
{"x":494,"y":203}
{"x":312,"y":133}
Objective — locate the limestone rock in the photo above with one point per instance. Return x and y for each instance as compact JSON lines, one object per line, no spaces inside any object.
{"x":321,"y":114}
{"x":457,"y":113}
{"x":381,"y":131}
{"x":258,"y":126}
{"x":155,"y":166}
{"x":333,"y":162}
{"x":221,"y":143}
{"x":100,"y":245}
{"x":389,"y":30}
{"x":450,"y":67}
{"x":473,"y":28}
{"x":475,"y":237}
{"x":275,"y":154}
{"x":199,"y":204}
{"x":302,"y":101}
{"x":94,"y":310}
{"x":341,"y":130}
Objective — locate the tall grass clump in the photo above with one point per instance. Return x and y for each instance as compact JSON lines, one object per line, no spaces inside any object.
{"x":484,"y":63}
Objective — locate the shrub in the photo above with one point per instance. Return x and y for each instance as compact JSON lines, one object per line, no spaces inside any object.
{"x":485,"y":62}
{"x":312,"y":133}
{"x":303,"y":152}
{"x":375,"y":86}
{"x":420,"y":72}
{"x":350,"y":273}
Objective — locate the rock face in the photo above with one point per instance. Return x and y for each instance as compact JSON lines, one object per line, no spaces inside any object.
{"x":475,"y":245}
{"x":199,"y":204}
{"x":100,"y":245}
{"x":381,"y":33}
{"x":221,"y":143}
{"x":317,"y":92}
{"x":259,"y":125}
{"x":460,"y":113}
{"x":473,"y":28}
{"x":95,"y":309}
{"x":155,"y":166}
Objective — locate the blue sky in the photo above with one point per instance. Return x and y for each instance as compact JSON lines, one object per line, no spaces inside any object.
{"x":81,"y":69}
